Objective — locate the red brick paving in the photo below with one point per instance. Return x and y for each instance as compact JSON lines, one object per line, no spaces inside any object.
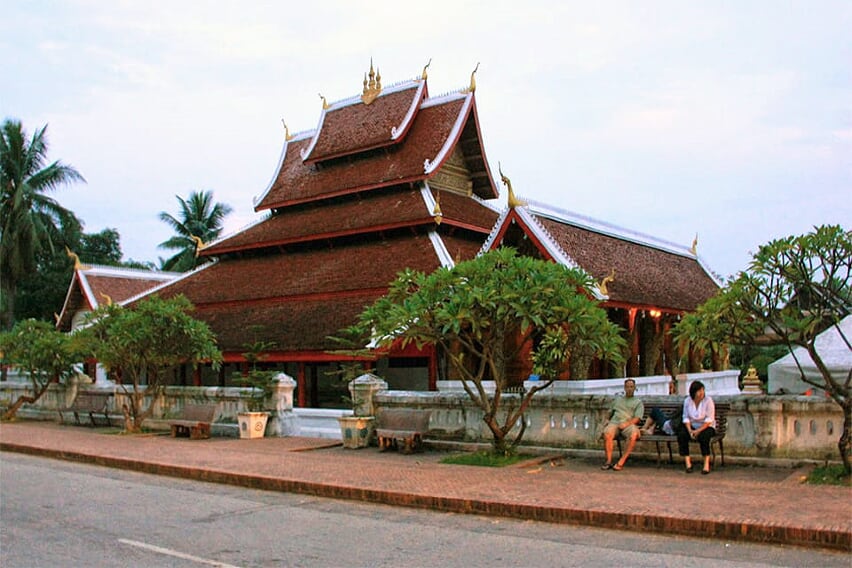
{"x":762,"y":504}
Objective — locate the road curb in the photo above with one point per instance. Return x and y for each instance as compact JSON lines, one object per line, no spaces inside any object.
{"x":735,"y":531}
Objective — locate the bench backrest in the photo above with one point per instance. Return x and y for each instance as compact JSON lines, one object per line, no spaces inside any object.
{"x":91,"y":400}
{"x":669,"y":408}
{"x":416,"y":419}
{"x":199,"y":412}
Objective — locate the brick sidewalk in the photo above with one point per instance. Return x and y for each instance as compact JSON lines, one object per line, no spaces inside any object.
{"x":733,"y":503}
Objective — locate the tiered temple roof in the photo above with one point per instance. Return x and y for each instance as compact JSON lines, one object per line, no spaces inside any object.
{"x":388,"y":181}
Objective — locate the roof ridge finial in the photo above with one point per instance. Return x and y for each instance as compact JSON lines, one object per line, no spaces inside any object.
{"x":287,"y":135}
{"x":372,"y":85}
{"x":694,"y":248}
{"x":472,"y":87}
{"x":423,"y":75}
{"x":77,"y":264}
{"x":513,"y":201}
{"x":324,"y":102}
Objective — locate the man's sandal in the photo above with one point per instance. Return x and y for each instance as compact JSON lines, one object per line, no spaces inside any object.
{"x":617,"y":467}
{"x":606,"y":466}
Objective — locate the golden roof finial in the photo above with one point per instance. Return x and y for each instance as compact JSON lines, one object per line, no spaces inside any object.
{"x":607,"y":279}
{"x":324,"y":102}
{"x":372,"y":86}
{"x":423,"y":75}
{"x":472,"y":87}
{"x":694,"y":248}
{"x":77,"y":264}
{"x":199,"y":244}
{"x":436,"y":211}
{"x":513,"y":201}
{"x":55,"y":316}
{"x":107,"y":298}
{"x":287,"y":135}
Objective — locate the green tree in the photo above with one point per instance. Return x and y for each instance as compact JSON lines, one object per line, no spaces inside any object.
{"x":29,"y":218}
{"x":482,"y":313}
{"x":144,"y":343}
{"x":794,"y":289}
{"x":200,"y":219}
{"x":45,"y":354}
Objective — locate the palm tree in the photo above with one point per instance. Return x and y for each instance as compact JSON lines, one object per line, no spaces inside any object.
{"x":200,"y":219}
{"x":30,"y":221}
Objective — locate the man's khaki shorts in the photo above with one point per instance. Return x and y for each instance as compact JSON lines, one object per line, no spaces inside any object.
{"x":611,"y":429}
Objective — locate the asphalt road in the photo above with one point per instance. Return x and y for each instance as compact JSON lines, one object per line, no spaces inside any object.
{"x":56,"y":513}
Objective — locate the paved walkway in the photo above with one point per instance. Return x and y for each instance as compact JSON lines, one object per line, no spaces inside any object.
{"x":760,"y":504}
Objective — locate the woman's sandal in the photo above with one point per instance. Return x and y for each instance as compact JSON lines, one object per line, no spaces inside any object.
{"x":689,"y":469}
{"x":617,"y":467}
{"x":705,"y":472}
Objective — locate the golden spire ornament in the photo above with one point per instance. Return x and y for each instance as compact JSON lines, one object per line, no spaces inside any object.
{"x":372,"y":86}
{"x":436,"y":211}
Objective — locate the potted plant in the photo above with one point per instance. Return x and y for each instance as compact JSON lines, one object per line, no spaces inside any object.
{"x":252,"y":423}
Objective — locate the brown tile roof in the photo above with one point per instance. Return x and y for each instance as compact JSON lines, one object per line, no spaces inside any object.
{"x":349,"y":267}
{"x":644,"y":274}
{"x":357,"y":127}
{"x":371,"y":211}
{"x":298,"y":182}
{"x":294,"y":326}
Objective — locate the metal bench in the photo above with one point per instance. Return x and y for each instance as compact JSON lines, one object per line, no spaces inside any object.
{"x":91,"y":404}
{"x":402,"y":428}
{"x":194,"y":421}
{"x":669,"y":408}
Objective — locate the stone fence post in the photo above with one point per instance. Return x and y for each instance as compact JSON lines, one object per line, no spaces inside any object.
{"x":362,"y":390}
{"x":282,"y":421}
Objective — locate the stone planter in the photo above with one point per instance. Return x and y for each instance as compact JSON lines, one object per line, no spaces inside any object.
{"x":356,"y":431}
{"x":252,"y":424}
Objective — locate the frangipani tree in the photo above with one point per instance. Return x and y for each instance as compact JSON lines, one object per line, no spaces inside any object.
{"x":483,"y":313}
{"x":794,"y":289}
{"x":144,"y":343}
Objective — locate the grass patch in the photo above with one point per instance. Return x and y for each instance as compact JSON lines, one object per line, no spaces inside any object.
{"x":485,"y":459}
{"x":830,"y":475}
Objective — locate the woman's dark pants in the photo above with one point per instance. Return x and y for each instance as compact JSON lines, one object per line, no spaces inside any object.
{"x":703,"y":440}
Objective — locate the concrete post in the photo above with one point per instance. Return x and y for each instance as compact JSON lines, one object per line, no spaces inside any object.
{"x":362,"y":390}
{"x":282,"y":421}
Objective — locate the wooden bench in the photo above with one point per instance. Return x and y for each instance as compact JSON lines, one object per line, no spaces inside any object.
{"x":402,"y":428}
{"x":91,"y":404}
{"x":670,"y":408}
{"x":194,"y":421}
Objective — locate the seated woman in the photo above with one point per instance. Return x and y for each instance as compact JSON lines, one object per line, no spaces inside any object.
{"x":699,"y":420}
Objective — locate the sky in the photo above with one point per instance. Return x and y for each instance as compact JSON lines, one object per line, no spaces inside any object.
{"x":731,"y":121}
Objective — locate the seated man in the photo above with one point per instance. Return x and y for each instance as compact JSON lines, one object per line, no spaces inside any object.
{"x":625,"y":417}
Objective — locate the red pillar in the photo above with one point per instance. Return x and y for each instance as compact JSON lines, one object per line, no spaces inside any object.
{"x":300,"y":385}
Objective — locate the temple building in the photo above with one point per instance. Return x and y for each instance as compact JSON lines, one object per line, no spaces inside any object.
{"x":390,"y":179}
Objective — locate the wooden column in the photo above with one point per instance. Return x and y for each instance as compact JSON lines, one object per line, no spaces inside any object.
{"x":301,"y":385}
{"x":633,"y":361}
{"x":433,"y":369}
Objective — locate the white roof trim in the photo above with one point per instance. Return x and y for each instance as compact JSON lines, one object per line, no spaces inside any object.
{"x":571,"y":218}
{"x":156,"y":289}
{"x":123,"y":272}
{"x":296,"y":137}
{"x":443,"y":99}
{"x":428,"y":198}
{"x":87,"y":291}
{"x":441,"y":250}
{"x":431,"y":165}
{"x":397,"y":131}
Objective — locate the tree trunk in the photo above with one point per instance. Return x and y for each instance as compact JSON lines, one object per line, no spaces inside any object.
{"x":845,"y":443}
{"x":7,"y":304}
{"x":25,"y":399}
